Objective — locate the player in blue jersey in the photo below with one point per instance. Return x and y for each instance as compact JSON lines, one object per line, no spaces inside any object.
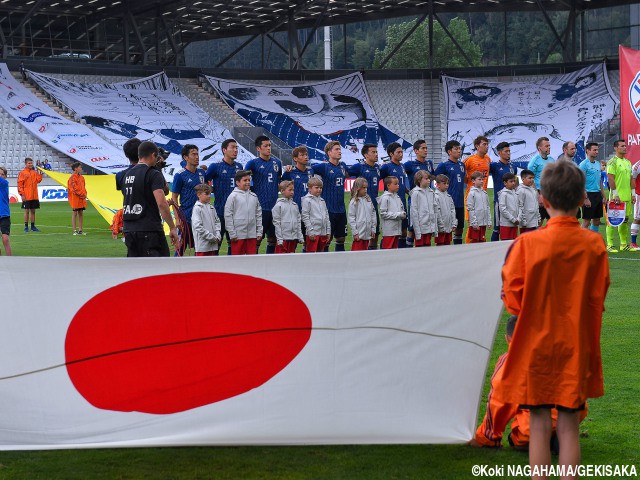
{"x":536,"y":165}
{"x":266,"y":174}
{"x":299,"y":174}
{"x":183,"y":194}
{"x":222,"y":177}
{"x":333,"y":173}
{"x":411,"y":167}
{"x":394,"y":168}
{"x":453,"y":168}
{"x":497,"y":170}
{"x":370,"y":171}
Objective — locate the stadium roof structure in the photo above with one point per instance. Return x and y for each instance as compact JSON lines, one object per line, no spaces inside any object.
{"x":130,"y":31}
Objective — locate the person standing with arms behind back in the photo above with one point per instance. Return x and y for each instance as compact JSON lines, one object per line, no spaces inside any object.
{"x":620,"y":185}
{"x":77,"y":195}
{"x":145,"y":206}
{"x":536,"y":164}
{"x":28,"y":180}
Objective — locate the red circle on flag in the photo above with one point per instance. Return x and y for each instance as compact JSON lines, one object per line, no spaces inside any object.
{"x":158,"y":345}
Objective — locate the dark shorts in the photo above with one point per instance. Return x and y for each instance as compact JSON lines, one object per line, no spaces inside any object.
{"x":460,"y":217}
{"x":268,"y":230}
{"x":5,"y":225}
{"x":31,"y":204}
{"x":595,"y":210}
{"x":338,"y":224}
{"x":549,"y":406}
{"x":146,"y":244}
{"x":79,"y":209}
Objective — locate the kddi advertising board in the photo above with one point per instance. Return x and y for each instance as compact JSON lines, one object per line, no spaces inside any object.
{"x":46,"y":193}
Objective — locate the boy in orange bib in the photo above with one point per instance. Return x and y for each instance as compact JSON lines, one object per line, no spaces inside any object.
{"x":558,"y":294}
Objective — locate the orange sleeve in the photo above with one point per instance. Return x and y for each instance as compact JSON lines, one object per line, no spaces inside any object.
{"x":498,"y":414}
{"x":116,"y":223}
{"x":21,"y":183}
{"x":513,"y":278}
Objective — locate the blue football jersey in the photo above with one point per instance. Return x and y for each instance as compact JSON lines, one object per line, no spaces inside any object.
{"x":498,"y":169}
{"x":371,"y":174}
{"x":222,"y":178}
{"x":414,"y":166}
{"x":183,"y":184}
{"x":391,"y":169}
{"x":455,"y":172}
{"x":333,"y":184}
{"x":300,"y":180}
{"x":265,"y":179}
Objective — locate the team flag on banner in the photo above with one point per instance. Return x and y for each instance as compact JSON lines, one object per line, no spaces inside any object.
{"x":101,"y":192}
{"x":630,"y":100}
{"x":363,"y":348}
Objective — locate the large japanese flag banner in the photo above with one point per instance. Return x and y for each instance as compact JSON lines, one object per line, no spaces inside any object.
{"x":563,"y":108}
{"x":68,"y":137}
{"x":150,"y":108}
{"x":312,"y":114}
{"x":356,"y":348}
{"x":630,"y":100}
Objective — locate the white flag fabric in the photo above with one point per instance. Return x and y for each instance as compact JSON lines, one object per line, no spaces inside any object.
{"x":68,"y":137}
{"x":313,"y":114}
{"x":151,"y":108}
{"x":563,"y":108}
{"x":336,"y":348}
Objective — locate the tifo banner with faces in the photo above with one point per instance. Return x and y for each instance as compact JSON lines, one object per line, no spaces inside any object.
{"x":68,"y":137}
{"x":286,"y":349}
{"x":630,"y":101}
{"x":562,"y":108}
{"x":151,"y":108}
{"x":312,"y":114}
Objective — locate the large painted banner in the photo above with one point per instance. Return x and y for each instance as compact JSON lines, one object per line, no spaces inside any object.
{"x":312,"y":114}
{"x":562,"y":108}
{"x":151,"y":108}
{"x":630,"y":101}
{"x":283,"y":349}
{"x":71,"y":138}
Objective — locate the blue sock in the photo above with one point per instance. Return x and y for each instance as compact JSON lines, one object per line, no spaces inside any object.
{"x":402,"y":243}
{"x":495,"y":236}
{"x":229,"y":249}
{"x":372,"y":247}
{"x":594,"y":228}
{"x":339,"y":247}
{"x":457,"y":240}
{"x":634,"y":238}
{"x":409,"y":242}
{"x":271,"y":248}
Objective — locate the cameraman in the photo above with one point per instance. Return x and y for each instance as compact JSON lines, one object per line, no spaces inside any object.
{"x":144,"y":202}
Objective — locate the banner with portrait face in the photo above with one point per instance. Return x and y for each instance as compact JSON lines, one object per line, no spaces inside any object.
{"x":562,"y":108}
{"x":313,"y":114}
{"x":151,"y":108}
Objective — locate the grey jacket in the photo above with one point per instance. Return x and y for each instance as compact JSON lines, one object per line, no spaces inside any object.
{"x":287,"y":220}
{"x":243,"y":215}
{"x":508,"y":205}
{"x":423,"y":212}
{"x":446,"y":212}
{"x":315,"y":216}
{"x":478,"y":208}
{"x":391,"y":214}
{"x":362,"y":218}
{"x":206,"y":227}
{"x":528,"y":206}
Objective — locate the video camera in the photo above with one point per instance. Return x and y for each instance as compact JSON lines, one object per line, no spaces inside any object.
{"x":162,"y":158}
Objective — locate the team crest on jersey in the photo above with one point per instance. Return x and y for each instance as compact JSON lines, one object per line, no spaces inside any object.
{"x":275,"y":167}
{"x":343,"y":171}
{"x":634,"y":96}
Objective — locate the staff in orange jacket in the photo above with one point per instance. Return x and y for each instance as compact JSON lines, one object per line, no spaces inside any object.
{"x":77,"y":195}
{"x":28,"y":180}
